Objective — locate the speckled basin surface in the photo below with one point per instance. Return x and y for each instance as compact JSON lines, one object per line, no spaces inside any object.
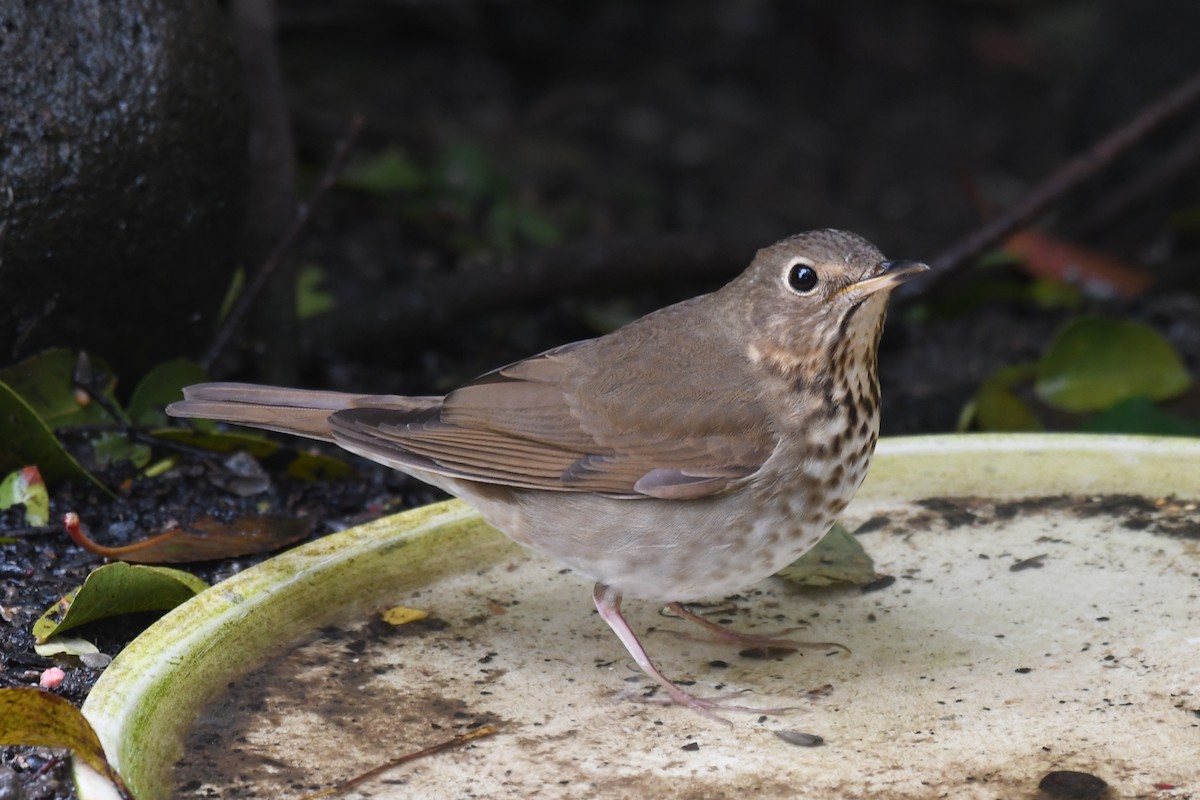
{"x":1045,"y":617}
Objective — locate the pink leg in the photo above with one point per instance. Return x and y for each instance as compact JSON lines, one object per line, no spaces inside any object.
{"x":732,"y":637}
{"x":608,"y":603}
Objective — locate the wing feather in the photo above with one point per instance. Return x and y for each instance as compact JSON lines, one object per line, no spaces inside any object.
{"x":567,"y":420}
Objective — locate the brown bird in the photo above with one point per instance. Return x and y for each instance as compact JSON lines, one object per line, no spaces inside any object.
{"x":688,"y":454}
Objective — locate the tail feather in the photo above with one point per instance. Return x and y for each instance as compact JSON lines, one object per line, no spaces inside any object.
{"x":300,"y":412}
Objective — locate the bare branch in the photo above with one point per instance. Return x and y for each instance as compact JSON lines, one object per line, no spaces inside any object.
{"x":1066,"y":178}
{"x":304,"y":214}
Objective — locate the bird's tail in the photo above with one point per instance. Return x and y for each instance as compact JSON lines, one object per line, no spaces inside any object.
{"x":300,"y":412}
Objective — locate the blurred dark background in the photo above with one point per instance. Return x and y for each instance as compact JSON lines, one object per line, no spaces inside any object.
{"x":534,"y":124}
{"x":534,"y":172}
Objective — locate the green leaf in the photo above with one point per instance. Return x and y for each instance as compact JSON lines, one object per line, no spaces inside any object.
{"x":466,"y":173}
{"x":837,"y":558}
{"x":111,"y":447}
{"x":996,"y":257}
{"x":161,"y":385}
{"x":311,"y":299}
{"x":1001,"y":410}
{"x":35,"y":718}
{"x":26,"y":439}
{"x":116,"y":589}
{"x":25,"y":487}
{"x":500,"y":226}
{"x":998,"y":408}
{"x":46,"y":383}
{"x":66,"y":646}
{"x":388,"y":171}
{"x":1045,"y":293}
{"x":301,"y":465}
{"x":1142,"y":416}
{"x":1094,"y":363}
{"x":234,"y":290}
{"x":537,"y":229}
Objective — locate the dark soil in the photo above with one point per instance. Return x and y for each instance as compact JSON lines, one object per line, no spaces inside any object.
{"x":731,"y":121}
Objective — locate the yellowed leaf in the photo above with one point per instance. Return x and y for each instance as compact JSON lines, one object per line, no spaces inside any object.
{"x":40,"y":719}
{"x":400,"y":615}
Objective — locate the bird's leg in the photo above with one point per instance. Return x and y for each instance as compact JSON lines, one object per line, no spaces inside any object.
{"x":738,"y":639}
{"x":608,"y":603}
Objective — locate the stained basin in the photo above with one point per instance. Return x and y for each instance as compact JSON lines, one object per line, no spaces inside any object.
{"x":1044,"y":617}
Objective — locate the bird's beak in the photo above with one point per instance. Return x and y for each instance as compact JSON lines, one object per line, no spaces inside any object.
{"x":891,"y":274}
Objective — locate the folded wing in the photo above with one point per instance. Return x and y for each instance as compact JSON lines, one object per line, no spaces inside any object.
{"x":553,"y":423}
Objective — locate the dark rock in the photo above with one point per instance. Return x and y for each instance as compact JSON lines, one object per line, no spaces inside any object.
{"x":1072,"y":785}
{"x":122,"y":162}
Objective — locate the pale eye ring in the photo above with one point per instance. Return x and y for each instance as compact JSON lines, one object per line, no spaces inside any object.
{"x":802,"y":278}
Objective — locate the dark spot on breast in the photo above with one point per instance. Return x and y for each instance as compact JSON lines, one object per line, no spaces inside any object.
{"x":845,"y":324}
{"x":836,"y":476}
{"x":871,"y":401}
{"x":827,"y":391}
{"x":834,"y":507}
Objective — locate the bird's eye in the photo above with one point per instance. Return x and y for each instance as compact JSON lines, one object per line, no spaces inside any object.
{"x":802,"y":278}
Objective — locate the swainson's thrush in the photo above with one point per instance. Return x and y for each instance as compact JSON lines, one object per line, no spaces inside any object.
{"x":688,"y":454}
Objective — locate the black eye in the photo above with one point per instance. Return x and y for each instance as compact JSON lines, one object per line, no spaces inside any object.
{"x":802,"y":278}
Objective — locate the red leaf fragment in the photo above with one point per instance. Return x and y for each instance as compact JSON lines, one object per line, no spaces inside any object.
{"x":1097,"y":274}
{"x":206,"y":539}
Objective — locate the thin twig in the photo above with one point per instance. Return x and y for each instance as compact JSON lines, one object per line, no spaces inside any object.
{"x":92,"y":385}
{"x":1172,"y":167}
{"x":1067,"y":177}
{"x":448,"y":744}
{"x":304,"y":214}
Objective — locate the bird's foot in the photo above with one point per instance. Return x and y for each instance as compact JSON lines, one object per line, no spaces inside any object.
{"x":765,"y":644}
{"x":608,"y":603}
{"x":707,"y":706}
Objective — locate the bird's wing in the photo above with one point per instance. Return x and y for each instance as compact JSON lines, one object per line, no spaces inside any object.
{"x":556,"y":422}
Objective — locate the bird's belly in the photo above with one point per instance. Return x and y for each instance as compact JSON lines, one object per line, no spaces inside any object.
{"x":664,"y":550}
{"x":679,"y":550}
